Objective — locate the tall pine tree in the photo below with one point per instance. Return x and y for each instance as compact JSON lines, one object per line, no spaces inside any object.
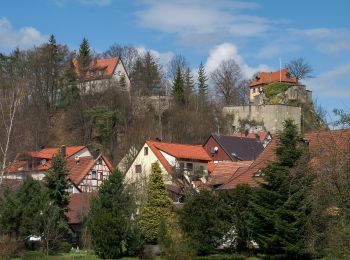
{"x":84,"y":57}
{"x":157,"y":205}
{"x":57,"y":185}
{"x":110,"y":221}
{"x":178,"y":87}
{"x":277,"y":210}
{"x":202,"y":82}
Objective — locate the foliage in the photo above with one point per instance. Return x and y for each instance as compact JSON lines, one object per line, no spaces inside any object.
{"x":236,"y":217}
{"x":146,"y":75}
{"x":9,"y":213}
{"x":84,"y":55}
{"x":30,"y":203}
{"x":157,"y":205}
{"x":276,"y":88}
{"x":104,"y":124}
{"x":53,"y":227}
{"x":329,"y":222}
{"x":57,"y":184}
{"x":178,"y":87}
{"x":110,"y":223}
{"x":278,"y":210}
{"x":202,"y":79}
{"x":202,"y":222}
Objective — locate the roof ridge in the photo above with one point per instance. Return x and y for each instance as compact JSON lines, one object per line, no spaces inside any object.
{"x":199,"y":145}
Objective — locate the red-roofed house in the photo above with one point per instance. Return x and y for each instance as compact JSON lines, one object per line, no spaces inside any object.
{"x":322,"y":145}
{"x":85,"y":172}
{"x":101,"y":72}
{"x":265,"y":78}
{"x":182,"y":164}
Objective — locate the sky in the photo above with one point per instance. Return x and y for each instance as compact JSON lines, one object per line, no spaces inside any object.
{"x":257,"y":34}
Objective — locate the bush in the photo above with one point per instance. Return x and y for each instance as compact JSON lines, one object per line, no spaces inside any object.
{"x":275,"y":88}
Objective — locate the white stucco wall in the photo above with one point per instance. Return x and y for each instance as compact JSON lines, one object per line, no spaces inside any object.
{"x":146,"y":162}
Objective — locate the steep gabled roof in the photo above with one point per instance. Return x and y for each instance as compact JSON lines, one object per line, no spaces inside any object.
{"x":179,"y":151}
{"x":269,"y":77}
{"x":247,"y":176}
{"x":322,"y":144}
{"x":106,"y":67}
{"x":241,"y":148}
{"x":79,"y":169}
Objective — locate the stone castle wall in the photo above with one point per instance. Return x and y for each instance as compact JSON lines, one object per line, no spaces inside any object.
{"x":271,"y":116}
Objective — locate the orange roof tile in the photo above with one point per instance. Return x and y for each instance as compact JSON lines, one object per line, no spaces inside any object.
{"x":322,"y":144}
{"x":264,"y":78}
{"x":261,"y":135}
{"x":247,"y":176}
{"x":224,"y":171}
{"x":179,"y":151}
{"x":49,"y":153}
{"x":79,"y":169}
{"x":105,"y":66}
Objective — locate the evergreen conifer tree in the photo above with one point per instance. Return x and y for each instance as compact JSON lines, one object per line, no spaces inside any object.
{"x":178,"y":87}
{"x":30,"y":204}
{"x":202,"y":82}
{"x":110,"y":219}
{"x":278,"y":215}
{"x":188,"y":85}
{"x":84,"y":56}
{"x":157,"y":205}
{"x":202,"y":221}
{"x":57,"y":185}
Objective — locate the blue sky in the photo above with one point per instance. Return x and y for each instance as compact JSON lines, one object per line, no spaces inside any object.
{"x":255,"y":33}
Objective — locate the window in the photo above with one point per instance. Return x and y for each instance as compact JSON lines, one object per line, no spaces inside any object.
{"x":99,"y":161}
{"x":101,"y":175}
{"x":189,"y":166}
{"x":182,"y":166}
{"x":145,"y":151}
{"x":93,"y":175}
{"x":138,"y":168}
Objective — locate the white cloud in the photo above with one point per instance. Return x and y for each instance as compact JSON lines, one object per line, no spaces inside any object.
{"x":333,"y":83}
{"x":24,"y":37}
{"x":326,"y":40}
{"x":228,"y":51}
{"x":204,"y":20}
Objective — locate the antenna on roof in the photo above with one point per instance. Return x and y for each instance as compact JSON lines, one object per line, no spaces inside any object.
{"x":280,"y":69}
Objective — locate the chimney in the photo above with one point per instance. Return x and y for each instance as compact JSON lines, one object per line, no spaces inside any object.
{"x":63,"y":151}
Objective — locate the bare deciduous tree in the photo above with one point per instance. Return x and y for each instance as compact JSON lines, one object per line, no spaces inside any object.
{"x":299,"y":69}
{"x":128,"y":53}
{"x":228,"y":81}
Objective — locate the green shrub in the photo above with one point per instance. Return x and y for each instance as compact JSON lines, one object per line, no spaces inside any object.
{"x":275,"y":88}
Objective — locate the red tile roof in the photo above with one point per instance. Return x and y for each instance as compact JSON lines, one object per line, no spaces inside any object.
{"x":322,"y":144}
{"x":224,"y":171}
{"x":247,"y":176}
{"x":49,"y":153}
{"x":265,"y":78}
{"x":79,"y":205}
{"x":260,"y":135}
{"x":105,"y":66}
{"x":179,"y":151}
{"x":79,"y":169}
